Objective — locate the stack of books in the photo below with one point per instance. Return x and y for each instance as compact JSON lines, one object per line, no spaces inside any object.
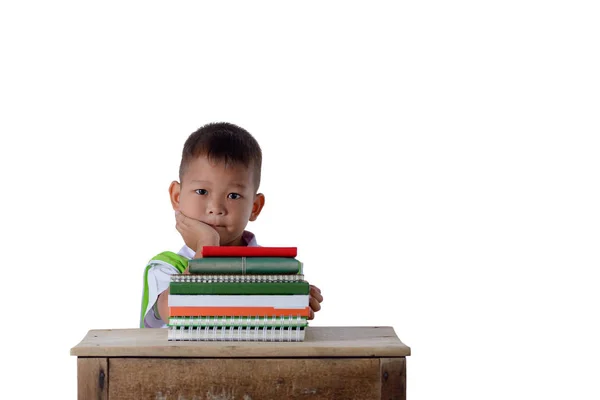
{"x":240,"y":294}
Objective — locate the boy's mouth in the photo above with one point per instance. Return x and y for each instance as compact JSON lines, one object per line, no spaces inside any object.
{"x":217,"y":226}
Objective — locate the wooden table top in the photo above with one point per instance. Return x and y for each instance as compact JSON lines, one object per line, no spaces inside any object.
{"x":320,"y":341}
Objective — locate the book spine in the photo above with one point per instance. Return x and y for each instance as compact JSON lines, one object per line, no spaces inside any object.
{"x":279,"y":301}
{"x":244,"y":265}
{"x":243,"y":251}
{"x":233,"y":288}
{"x":238,"y":312}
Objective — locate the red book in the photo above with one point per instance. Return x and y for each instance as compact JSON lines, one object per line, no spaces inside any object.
{"x":244,"y":251}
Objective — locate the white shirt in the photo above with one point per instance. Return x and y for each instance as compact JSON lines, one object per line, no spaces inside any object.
{"x":159,"y":277}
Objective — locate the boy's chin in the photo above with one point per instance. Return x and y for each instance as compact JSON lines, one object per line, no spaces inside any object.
{"x":231,"y":240}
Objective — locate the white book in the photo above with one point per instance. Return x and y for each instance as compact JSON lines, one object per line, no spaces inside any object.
{"x":276,"y":301}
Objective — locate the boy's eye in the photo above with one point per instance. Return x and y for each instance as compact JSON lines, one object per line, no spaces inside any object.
{"x":201,"y":191}
{"x":234,"y":196}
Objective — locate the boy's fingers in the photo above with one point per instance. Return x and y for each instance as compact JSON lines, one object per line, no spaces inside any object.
{"x":314,"y":304}
{"x":311,"y":315}
{"x":316,"y":293}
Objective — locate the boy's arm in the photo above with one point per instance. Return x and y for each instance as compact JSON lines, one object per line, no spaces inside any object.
{"x":163,"y":298}
{"x":157,"y":276}
{"x":163,"y":306}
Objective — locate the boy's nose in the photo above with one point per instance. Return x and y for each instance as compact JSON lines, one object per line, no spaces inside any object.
{"x":215,"y":208}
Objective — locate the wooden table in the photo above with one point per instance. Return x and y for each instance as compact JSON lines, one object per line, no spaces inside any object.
{"x":332,"y":363}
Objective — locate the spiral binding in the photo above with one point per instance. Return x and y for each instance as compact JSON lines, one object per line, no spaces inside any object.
{"x":288,"y":321}
{"x":208,"y":278}
{"x":237,"y":334}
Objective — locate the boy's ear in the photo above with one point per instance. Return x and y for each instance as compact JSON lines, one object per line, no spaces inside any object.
{"x":257,"y":206}
{"x":174,"y":192}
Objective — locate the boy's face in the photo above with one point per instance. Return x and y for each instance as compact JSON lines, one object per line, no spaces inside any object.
{"x":223,"y":197}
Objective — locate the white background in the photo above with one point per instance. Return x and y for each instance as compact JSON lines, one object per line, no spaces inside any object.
{"x":436,"y":164}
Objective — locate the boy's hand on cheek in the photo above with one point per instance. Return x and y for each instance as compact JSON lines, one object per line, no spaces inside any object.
{"x":315,"y":300}
{"x":195,"y":233}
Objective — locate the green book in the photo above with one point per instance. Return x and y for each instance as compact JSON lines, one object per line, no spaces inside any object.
{"x":242,"y":288}
{"x":245,"y":265}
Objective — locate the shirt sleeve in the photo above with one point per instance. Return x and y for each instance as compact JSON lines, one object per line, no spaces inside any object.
{"x":159,"y":276}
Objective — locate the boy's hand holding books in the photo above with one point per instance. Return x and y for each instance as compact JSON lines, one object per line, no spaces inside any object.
{"x":315,"y":300}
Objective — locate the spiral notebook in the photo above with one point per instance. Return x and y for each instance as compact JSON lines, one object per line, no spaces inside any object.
{"x":242,"y":334}
{"x":233,"y":294}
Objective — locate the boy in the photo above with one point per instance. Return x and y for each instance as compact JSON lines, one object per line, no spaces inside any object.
{"x":215,"y":199}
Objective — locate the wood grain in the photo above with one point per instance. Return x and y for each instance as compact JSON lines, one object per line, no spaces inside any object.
{"x":335,"y":341}
{"x":248,"y":379}
{"x":92,"y":378}
{"x":393,"y":378}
